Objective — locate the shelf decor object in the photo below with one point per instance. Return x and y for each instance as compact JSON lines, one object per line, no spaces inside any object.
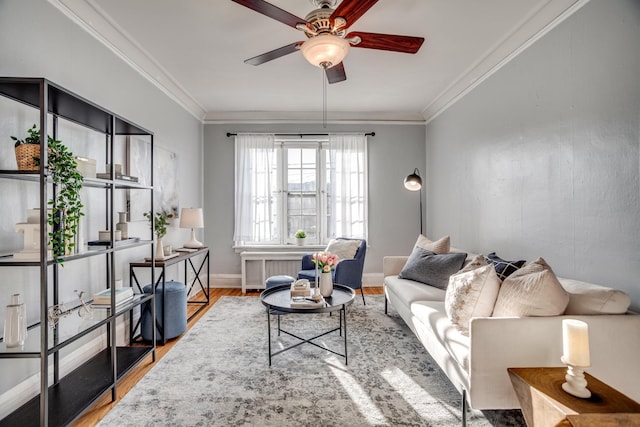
{"x":575,"y":346}
{"x":28,"y":150}
{"x":122,"y":225}
{"x":15,"y":323}
{"x":192,"y":218}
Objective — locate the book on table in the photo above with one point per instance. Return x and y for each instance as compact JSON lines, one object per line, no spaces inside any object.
{"x":104,"y":297}
{"x":307,"y":301}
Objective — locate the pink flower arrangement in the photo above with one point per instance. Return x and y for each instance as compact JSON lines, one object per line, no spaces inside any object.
{"x":326,"y":261}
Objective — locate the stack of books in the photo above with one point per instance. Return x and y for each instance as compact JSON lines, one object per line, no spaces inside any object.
{"x":104,"y":297}
{"x":308,"y":302}
{"x":300,"y":288}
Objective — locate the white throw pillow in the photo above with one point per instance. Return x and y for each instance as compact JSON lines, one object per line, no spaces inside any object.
{"x":589,"y":298}
{"x":533,"y":290}
{"x":440,"y":246}
{"x":471,"y":293}
{"x":344,"y":249}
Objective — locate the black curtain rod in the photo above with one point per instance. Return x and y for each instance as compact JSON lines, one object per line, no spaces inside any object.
{"x":302,"y":134}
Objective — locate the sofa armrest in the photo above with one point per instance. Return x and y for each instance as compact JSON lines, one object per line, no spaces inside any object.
{"x":392,"y":265}
{"x":498,"y":343}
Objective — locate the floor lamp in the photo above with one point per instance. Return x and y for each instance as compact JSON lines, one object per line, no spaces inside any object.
{"x":413,"y":182}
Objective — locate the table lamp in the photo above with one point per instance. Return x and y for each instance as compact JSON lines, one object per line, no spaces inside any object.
{"x":192,"y":218}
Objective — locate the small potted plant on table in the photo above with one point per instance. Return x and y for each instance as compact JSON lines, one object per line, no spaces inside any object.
{"x":160,"y":222}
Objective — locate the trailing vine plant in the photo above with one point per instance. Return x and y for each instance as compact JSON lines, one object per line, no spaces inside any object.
{"x":65,"y":211}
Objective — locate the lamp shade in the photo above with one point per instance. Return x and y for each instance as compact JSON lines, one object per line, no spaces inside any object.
{"x":191,"y":218}
{"x":325,"y":50}
{"x":413,"y":182}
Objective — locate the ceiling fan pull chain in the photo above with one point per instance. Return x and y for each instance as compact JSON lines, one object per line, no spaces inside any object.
{"x":324,"y":99}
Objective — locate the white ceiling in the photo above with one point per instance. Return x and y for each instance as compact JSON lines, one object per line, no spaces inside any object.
{"x":194,"y":51}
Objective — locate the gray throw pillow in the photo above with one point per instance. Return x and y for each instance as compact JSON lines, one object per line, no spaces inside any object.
{"x":430,"y":268}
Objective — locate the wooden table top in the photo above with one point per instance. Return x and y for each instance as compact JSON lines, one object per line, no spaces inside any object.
{"x":604,"y":399}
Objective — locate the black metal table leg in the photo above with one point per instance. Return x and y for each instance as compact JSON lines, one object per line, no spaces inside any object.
{"x":269,"y":332}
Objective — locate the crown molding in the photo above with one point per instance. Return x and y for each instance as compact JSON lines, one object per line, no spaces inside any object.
{"x":533,"y":27}
{"x":90,"y":17}
{"x":313,"y":117}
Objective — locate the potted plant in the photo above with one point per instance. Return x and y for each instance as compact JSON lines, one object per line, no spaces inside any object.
{"x":27,"y":150}
{"x":300,"y":236}
{"x":65,"y":208}
{"x":160,"y":222}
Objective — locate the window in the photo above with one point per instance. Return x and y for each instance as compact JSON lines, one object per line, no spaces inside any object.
{"x":286,"y":185}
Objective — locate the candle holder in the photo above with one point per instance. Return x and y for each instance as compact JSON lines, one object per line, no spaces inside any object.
{"x":576,"y":384}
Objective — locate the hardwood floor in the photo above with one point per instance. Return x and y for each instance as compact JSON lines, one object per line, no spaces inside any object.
{"x":93,"y":415}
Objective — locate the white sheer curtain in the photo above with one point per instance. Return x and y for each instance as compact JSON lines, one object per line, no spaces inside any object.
{"x":255,"y":189}
{"x":347,"y":186}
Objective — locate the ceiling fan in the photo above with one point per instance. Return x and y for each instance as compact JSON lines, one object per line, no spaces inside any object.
{"x":327,"y":41}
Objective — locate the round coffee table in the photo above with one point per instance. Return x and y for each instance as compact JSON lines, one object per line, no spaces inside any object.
{"x":278,"y":299}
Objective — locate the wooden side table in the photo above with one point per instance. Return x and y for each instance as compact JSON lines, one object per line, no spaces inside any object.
{"x":544,"y":403}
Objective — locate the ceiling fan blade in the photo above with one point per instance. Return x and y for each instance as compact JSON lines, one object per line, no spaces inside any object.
{"x":392,"y":42}
{"x":352,"y":10}
{"x":272,"y":11}
{"x":274,"y":54}
{"x":336,"y":74}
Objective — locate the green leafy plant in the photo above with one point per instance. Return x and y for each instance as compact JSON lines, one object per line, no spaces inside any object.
{"x":160,"y":222}
{"x":301,"y":234}
{"x":65,"y":208}
{"x":33,"y":138}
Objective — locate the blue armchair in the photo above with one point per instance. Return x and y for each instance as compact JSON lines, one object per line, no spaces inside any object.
{"x":348,"y":272}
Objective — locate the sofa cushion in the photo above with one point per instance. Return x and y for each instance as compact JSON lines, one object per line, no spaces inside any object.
{"x":431,"y":268}
{"x":589,"y":298}
{"x":471,"y":293}
{"x":440,"y":246}
{"x":437,"y":326}
{"x":533,"y":290}
{"x":408,"y":291}
{"x":503,"y":267}
{"x":343,"y":248}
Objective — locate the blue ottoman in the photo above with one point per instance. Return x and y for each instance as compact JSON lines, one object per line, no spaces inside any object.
{"x":176,"y":306}
{"x":278,"y":280}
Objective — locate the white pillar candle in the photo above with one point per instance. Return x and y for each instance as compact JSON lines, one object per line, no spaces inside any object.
{"x":575,"y":343}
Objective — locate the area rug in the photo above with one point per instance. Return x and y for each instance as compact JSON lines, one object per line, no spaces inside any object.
{"x":218,"y":375}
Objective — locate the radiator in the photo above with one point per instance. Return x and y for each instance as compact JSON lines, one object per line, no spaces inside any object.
{"x":258,"y":266}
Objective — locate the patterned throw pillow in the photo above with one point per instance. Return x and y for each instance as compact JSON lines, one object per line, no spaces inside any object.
{"x":471,"y":293}
{"x":503,"y":267}
{"x":533,"y":290}
{"x":440,"y":246}
{"x":430,"y":268}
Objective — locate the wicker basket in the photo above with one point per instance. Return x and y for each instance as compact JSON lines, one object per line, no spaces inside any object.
{"x":28,"y":157}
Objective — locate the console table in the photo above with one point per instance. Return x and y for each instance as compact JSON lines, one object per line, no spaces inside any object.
{"x":188,"y":259}
{"x":545,"y":403}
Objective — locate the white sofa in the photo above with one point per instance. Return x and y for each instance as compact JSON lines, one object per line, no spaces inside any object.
{"x":477,"y":364}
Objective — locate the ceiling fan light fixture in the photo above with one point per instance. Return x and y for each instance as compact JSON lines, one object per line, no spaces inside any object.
{"x":325,"y":50}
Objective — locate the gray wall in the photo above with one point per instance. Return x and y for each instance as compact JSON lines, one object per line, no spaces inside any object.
{"x":542,"y":159}
{"x":393,"y":212}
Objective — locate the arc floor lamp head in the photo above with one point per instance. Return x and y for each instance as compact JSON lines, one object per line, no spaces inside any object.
{"x":413,"y":182}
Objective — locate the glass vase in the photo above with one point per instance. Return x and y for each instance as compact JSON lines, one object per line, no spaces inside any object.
{"x":15,"y":323}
